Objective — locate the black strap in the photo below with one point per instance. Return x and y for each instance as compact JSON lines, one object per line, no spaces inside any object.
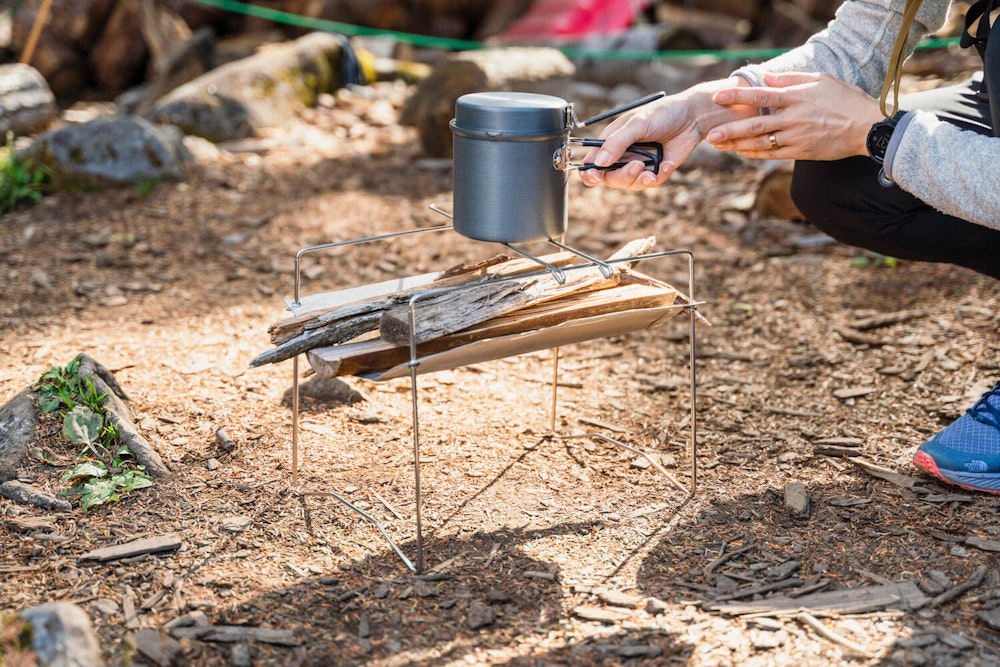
{"x":989,"y":50}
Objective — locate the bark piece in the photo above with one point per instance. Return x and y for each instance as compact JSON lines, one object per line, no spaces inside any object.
{"x":121,"y":415}
{"x":797,"y":499}
{"x":236,"y":633}
{"x":149,"y":545}
{"x":900,"y":595}
{"x":26,"y":494}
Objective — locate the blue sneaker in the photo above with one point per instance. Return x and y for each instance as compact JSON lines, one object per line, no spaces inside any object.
{"x":967,"y":452}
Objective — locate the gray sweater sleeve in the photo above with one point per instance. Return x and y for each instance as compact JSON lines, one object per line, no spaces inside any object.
{"x":855,"y":47}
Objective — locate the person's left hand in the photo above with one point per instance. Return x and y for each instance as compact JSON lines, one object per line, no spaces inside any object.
{"x":813,"y":117}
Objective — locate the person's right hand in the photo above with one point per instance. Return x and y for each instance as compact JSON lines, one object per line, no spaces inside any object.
{"x":664,"y":121}
{"x":678,"y":122}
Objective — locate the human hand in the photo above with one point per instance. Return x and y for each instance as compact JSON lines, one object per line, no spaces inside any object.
{"x":666,"y":121}
{"x":813,"y":117}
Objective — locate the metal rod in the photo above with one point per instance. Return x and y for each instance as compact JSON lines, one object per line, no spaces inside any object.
{"x":557,"y":273}
{"x":555,"y":386}
{"x":337,"y":244}
{"x":369,"y":517}
{"x":295,"y":421}
{"x":414,"y":363}
{"x":606,"y":270}
{"x":436,"y":207}
{"x":692,"y":350}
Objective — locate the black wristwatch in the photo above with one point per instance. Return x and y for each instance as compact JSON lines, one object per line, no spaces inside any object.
{"x":880,"y":134}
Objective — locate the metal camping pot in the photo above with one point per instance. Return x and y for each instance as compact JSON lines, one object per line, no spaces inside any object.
{"x":512,"y":157}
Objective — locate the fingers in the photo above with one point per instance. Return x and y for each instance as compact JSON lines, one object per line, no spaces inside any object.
{"x":632,"y":176}
{"x":750,"y":134}
{"x":754,"y":139}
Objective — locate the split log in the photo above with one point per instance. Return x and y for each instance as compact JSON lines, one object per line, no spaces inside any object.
{"x":350,"y":314}
{"x":378,"y":355}
{"x":338,"y":332}
{"x":460,"y":309}
{"x":383,"y":295}
{"x":432,"y":105}
{"x":337,"y":324}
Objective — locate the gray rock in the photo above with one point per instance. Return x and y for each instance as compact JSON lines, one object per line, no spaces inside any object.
{"x":479,"y":615}
{"x":108,"y":152}
{"x":62,"y":636}
{"x":160,"y":649}
{"x":266,"y":89}
{"x":18,"y":419}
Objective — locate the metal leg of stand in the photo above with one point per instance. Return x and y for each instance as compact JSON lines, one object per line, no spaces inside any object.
{"x":416,"y":466}
{"x":330,"y":494}
{"x":692,"y":487}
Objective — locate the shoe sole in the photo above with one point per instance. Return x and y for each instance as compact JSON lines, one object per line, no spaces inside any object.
{"x":927,"y":464}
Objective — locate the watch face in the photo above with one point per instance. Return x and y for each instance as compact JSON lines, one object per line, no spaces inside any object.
{"x":878,"y":140}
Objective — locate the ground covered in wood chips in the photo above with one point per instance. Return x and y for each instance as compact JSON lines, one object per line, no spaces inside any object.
{"x":824,"y":366}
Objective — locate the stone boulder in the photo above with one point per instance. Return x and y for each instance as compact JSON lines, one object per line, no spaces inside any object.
{"x":18,"y":419}
{"x":62,"y":635}
{"x":108,"y":152}
{"x":266,"y":89}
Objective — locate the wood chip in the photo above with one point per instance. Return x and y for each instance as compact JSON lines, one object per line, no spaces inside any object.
{"x":797,"y":500}
{"x":983,"y":544}
{"x":852,"y":392}
{"x":601,"y":614}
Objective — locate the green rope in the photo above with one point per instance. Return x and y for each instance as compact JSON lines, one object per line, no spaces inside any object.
{"x":299,"y":21}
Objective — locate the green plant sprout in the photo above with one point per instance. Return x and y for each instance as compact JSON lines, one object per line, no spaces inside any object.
{"x":106,"y":468}
{"x":19,"y":182}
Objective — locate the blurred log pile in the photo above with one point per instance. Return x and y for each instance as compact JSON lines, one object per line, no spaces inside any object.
{"x":760,"y":23}
{"x":109,"y":46}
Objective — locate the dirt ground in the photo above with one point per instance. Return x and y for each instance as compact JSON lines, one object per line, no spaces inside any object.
{"x":173,"y":290}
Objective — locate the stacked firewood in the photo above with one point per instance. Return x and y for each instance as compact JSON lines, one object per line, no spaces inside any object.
{"x":498,"y":297}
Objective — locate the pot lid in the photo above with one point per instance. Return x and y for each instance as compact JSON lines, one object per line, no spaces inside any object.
{"x":511,"y":112}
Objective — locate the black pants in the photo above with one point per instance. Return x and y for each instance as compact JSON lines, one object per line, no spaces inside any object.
{"x":844,"y":198}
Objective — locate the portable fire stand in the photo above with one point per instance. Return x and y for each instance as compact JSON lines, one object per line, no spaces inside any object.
{"x":296,"y":307}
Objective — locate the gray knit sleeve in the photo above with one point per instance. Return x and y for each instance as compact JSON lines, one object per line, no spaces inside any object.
{"x":968,"y":188}
{"x":856,"y":46}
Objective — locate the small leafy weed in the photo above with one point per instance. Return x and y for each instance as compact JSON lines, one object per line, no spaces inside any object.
{"x":105,"y":469}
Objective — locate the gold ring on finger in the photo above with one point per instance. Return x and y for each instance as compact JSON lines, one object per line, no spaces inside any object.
{"x":774,"y":142}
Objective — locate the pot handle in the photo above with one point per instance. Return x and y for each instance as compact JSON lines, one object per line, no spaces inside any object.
{"x":617,"y":110}
{"x":651,"y":154}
